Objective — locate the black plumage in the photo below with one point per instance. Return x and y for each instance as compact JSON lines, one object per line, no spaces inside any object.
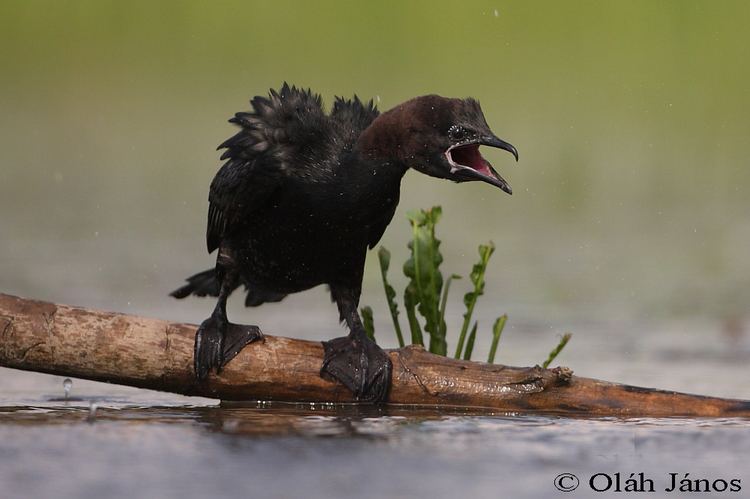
{"x":301,"y":197}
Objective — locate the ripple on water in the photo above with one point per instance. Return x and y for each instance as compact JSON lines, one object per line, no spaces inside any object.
{"x":290,"y":448}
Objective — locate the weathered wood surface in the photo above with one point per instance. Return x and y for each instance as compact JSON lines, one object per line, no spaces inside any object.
{"x":156,"y":354}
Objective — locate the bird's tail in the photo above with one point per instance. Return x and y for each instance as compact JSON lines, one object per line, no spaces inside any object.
{"x":201,"y":284}
{"x":206,"y":284}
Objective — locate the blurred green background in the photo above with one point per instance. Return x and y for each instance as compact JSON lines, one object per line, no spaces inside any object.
{"x":631,"y":197}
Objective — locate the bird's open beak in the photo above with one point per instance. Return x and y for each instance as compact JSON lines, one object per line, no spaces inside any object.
{"x":467,"y":163}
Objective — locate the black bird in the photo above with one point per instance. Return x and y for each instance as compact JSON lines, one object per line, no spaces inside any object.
{"x":302,"y":196}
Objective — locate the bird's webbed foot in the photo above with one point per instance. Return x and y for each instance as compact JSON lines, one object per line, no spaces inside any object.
{"x":360,"y":365}
{"x":218,"y":341}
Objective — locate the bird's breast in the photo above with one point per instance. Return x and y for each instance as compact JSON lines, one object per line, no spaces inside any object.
{"x":313,"y":233}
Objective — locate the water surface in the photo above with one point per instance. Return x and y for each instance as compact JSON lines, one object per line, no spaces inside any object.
{"x":629,"y":226}
{"x":149,"y":444}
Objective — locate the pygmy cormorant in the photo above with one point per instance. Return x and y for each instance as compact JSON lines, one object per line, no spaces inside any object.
{"x":301,"y":197}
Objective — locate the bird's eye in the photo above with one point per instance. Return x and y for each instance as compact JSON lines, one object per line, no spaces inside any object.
{"x":458,"y":133}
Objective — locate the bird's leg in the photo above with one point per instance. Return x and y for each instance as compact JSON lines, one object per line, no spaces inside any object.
{"x":218,"y":341}
{"x":355,"y":360}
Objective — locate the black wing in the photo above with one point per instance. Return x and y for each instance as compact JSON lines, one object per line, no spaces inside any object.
{"x":353,"y":115}
{"x":282,"y":133}
{"x":239,"y":188}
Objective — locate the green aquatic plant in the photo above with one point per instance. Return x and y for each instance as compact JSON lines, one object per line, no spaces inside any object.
{"x":426,"y":293}
{"x":497,"y":330}
{"x":368,"y":322}
{"x":384,"y":257}
{"x":556,"y":351}
{"x":470,"y":298}
{"x":425,"y":279}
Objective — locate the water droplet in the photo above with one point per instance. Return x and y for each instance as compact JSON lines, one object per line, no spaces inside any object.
{"x":92,"y":412}
{"x":67,"y":385}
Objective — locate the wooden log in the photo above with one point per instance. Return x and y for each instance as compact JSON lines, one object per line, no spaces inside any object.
{"x":156,"y":354}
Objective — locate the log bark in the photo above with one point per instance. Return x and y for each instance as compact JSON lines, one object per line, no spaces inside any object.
{"x":156,"y":354}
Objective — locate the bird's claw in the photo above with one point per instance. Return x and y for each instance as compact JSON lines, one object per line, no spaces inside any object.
{"x":360,"y":365}
{"x":217,"y":342}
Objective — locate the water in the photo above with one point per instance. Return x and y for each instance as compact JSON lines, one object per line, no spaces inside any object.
{"x":149,"y":444}
{"x":628,"y":226}
{"x":204,"y":450}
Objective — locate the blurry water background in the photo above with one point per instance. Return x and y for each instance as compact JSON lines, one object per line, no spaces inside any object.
{"x":629,"y":224}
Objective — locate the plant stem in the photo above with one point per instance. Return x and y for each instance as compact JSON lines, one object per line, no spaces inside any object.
{"x":384,"y":257}
{"x":554,"y":353}
{"x":470,"y":298}
{"x":443,"y":303}
{"x":411,"y":314}
{"x":470,"y":342}
{"x":411,"y":293}
{"x":497,"y":330}
{"x":368,"y":322}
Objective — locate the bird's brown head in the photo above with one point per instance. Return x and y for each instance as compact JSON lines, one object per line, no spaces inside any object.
{"x":437,"y":136}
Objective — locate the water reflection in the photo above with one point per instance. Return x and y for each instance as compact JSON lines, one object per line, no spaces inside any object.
{"x":264,"y":419}
{"x":296,"y":451}
{"x":252,"y":419}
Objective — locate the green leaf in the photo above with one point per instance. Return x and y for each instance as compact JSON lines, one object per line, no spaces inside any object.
{"x":497,"y":330}
{"x":410,"y":304}
{"x":470,"y":298}
{"x":384,"y":257}
{"x":425,"y":278}
{"x":554,"y":353}
{"x":368,"y":322}
{"x":444,"y":301}
{"x":470,"y":342}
